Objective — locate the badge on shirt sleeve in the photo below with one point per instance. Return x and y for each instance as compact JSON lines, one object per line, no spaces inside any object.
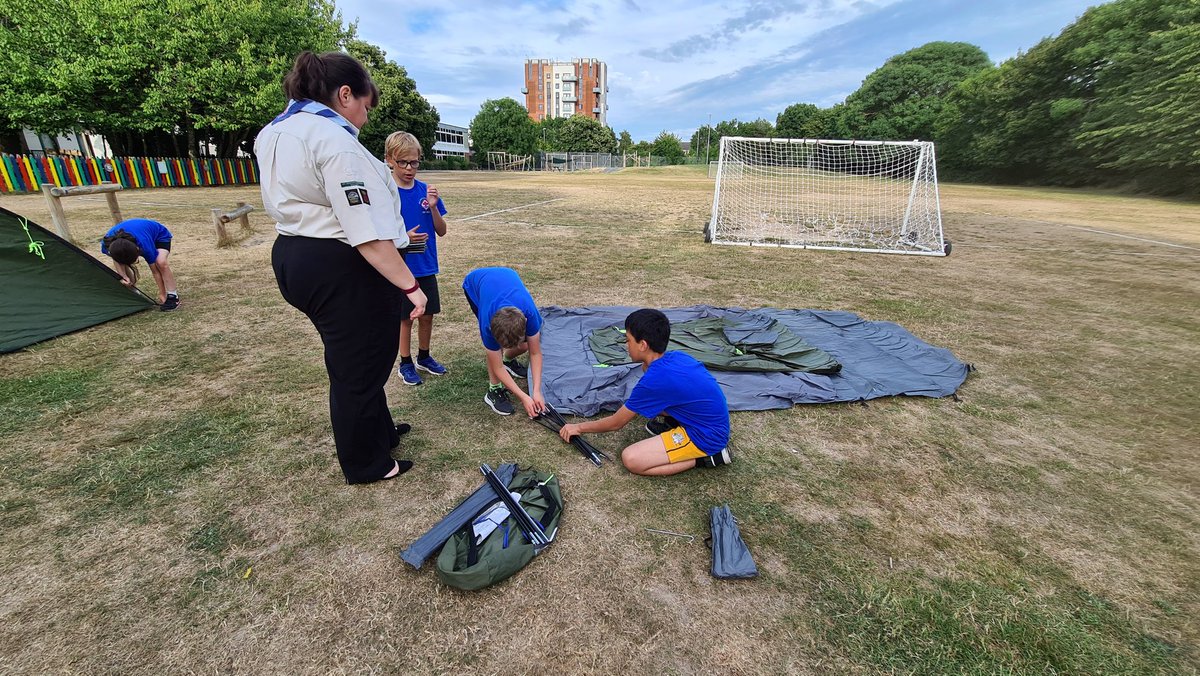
{"x":356,"y":193}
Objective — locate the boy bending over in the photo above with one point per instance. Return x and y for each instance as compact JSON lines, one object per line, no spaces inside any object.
{"x":695,"y":428}
{"x":509,"y":326}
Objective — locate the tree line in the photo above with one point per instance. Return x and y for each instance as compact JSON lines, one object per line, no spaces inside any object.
{"x":179,"y":77}
{"x":1113,"y":100}
{"x":504,"y":125}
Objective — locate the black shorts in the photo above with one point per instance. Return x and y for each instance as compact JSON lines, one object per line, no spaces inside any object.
{"x":474,"y":310}
{"x":433,"y":300}
{"x":165,"y":245}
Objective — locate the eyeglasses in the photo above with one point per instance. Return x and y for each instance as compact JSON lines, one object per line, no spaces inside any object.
{"x":408,"y":164}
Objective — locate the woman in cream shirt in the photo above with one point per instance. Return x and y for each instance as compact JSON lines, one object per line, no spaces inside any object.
{"x":338,"y":215}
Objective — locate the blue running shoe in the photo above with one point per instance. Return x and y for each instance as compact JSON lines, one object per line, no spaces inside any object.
{"x":431,"y":365}
{"x":409,"y":373}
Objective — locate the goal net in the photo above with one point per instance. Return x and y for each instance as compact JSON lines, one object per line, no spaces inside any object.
{"x":876,"y":196}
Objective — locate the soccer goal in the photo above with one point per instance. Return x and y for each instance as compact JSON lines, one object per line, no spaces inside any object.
{"x":873,"y":196}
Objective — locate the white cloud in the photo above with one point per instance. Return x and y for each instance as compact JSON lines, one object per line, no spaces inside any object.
{"x":673,"y":62}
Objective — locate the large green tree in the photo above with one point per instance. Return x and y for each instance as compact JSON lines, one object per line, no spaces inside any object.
{"x":625,"y":143}
{"x":759,"y":128}
{"x":584,"y":134}
{"x":800,"y":120}
{"x":401,"y":106}
{"x":902,"y":99}
{"x":1014,"y":124}
{"x":548,"y":133}
{"x":707,"y":139}
{"x":1104,"y":102}
{"x":669,"y":147}
{"x":503,"y":125}
{"x":154,"y":76}
{"x":703,"y":145}
{"x":1145,"y":123}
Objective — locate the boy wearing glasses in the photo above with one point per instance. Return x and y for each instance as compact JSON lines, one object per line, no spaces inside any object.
{"x":422,"y":209}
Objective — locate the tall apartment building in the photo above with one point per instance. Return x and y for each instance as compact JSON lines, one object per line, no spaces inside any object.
{"x":566,"y":88}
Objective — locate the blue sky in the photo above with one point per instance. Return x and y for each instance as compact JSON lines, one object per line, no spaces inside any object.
{"x":673,"y":63}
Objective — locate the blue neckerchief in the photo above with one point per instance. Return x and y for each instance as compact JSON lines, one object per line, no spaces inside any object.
{"x":310,"y":106}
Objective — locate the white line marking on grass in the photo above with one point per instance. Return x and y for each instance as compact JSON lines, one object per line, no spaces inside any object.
{"x":1075,"y":251}
{"x":1103,"y":232}
{"x":523,"y":206}
{"x":1117,"y":234}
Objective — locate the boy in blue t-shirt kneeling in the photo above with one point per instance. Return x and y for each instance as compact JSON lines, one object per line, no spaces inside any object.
{"x":696,"y":428}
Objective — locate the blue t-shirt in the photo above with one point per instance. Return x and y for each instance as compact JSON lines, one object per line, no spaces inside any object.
{"x":493,"y":288}
{"x":145,"y":231}
{"x":414,"y":206}
{"x":680,"y":386}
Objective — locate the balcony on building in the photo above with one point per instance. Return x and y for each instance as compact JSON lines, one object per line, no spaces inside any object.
{"x":524,"y":90}
{"x":596,"y":90}
{"x":569,"y":98}
{"x":569,"y":78}
{"x":596,"y":110}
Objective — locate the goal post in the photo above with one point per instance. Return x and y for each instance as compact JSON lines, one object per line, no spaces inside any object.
{"x":870,"y":196}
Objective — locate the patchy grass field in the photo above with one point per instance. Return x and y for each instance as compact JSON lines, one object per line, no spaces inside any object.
{"x":170,"y":501}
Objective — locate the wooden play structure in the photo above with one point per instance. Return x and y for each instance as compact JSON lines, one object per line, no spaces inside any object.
{"x":54,"y":195}
{"x":221,"y":218}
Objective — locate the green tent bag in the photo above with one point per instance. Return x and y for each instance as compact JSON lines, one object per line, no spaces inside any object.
{"x":497,"y":557}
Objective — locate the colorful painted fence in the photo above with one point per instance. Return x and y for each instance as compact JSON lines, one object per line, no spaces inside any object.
{"x":26,"y":173}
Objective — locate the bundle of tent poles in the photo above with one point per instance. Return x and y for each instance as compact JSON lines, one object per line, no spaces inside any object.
{"x":530,"y":528}
{"x":553,"y":421}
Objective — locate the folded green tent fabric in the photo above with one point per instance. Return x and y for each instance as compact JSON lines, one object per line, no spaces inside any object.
{"x":726,"y":345}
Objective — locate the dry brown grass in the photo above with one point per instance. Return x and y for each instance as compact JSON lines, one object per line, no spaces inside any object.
{"x":157,"y":458}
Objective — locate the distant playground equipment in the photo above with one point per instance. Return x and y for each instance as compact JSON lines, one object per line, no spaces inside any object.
{"x":636,"y":160}
{"x":501,"y":161}
{"x":54,"y":195}
{"x":220,"y":218}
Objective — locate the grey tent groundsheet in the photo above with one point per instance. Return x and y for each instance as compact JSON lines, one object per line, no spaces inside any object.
{"x":879,"y":359}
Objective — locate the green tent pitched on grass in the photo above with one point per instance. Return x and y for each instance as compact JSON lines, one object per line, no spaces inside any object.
{"x":50,"y":287}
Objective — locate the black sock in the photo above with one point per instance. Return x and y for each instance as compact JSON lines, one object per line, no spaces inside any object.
{"x":422,"y":354}
{"x":406,"y":360}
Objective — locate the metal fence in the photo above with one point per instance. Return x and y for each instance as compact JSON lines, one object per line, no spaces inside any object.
{"x":570,"y":161}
